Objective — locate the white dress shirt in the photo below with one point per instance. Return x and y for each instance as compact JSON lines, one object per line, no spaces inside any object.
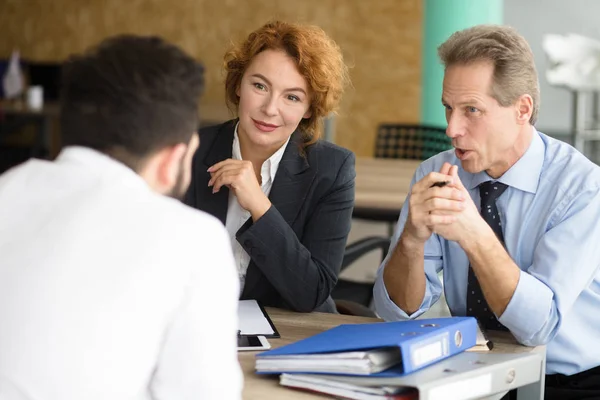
{"x":109,"y":290}
{"x":236,"y":215}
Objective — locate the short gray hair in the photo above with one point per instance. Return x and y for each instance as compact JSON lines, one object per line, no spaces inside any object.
{"x":514,"y":67}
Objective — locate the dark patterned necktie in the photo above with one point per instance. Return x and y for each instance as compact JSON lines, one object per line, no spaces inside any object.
{"x":476,"y":305}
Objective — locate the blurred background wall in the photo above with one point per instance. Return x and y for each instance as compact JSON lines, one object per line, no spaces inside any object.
{"x":380,"y":39}
{"x":534,"y":19}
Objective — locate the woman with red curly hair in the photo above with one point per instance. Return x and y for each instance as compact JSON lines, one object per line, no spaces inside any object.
{"x":284,"y":195}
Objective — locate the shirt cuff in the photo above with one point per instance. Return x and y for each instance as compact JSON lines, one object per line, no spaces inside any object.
{"x":524,"y":315}
{"x":388,"y":310}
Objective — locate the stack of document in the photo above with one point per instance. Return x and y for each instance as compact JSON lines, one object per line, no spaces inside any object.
{"x":377,"y":349}
{"x":350,"y":362}
{"x":347,"y":390}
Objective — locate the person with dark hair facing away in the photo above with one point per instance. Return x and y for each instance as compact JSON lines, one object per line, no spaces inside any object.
{"x":102,"y":293}
{"x":285,"y":197}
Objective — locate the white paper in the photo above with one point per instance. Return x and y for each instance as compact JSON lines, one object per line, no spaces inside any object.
{"x":344,"y":389}
{"x":475,"y":387}
{"x":252,"y":321}
{"x":352,"y":362}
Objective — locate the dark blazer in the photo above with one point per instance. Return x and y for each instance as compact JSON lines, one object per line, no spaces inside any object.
{"x":297,"y":246}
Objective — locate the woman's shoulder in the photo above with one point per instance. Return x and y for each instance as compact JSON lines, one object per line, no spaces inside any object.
{"x":213,"y":130}
{"x":215,"y":138}
{"x":323,"y":149}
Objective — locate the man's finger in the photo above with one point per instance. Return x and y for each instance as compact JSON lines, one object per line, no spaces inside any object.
{"x":430,"y":179}
{"x":455,"y":178}
{"x":441,"y":204}
{"x":445,"y":193}
{"x":440,"y":219}
{"x":445,"y":168}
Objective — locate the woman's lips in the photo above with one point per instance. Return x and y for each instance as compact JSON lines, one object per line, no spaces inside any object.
{"x":263,"y":126}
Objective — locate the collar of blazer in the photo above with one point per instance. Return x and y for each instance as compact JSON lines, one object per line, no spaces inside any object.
{"x":292,"y":180}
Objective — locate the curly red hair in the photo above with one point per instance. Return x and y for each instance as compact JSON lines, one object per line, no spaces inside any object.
{"x":318,"y":59}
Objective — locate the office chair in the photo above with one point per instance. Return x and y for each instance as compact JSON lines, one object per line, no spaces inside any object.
{"x":413,"y":142}
{"x":355,"y":298}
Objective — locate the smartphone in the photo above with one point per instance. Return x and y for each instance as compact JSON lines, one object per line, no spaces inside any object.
{"x":252,"y":343}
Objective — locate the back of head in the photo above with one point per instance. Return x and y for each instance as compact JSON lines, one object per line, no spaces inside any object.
{"x":509,"y":53}
{"x":129,"y":97}
{"x":318,"y":59}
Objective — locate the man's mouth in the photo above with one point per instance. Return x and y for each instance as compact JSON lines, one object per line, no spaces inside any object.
{"x":461,"y":154}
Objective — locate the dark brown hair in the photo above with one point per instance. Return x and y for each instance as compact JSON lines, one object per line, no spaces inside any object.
{"x":130,"y":96}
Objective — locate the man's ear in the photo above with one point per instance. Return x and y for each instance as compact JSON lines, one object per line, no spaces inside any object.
{"x":170,"y":162}
{"x":524,"y":108}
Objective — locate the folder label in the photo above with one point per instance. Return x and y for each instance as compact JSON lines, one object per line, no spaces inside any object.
{"x":430,"y":350}
{"x":476,"y":387}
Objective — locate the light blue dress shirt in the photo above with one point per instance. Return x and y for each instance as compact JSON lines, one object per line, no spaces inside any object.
{"x":550,"y":216}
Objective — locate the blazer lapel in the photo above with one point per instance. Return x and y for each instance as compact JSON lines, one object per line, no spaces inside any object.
{"x":220,"y":149}
{"x":292,"y":181}
{"x":290,"y":187}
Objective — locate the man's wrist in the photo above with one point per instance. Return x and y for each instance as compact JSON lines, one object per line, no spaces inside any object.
{"x":484,"y":239}
{"x":408,"y":244}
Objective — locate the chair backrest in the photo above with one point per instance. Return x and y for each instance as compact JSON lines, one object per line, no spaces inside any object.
{"x":414,"y":142}
{"x":354,"y":298}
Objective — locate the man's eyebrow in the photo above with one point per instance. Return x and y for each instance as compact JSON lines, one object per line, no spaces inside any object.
{"x":464,"y":102}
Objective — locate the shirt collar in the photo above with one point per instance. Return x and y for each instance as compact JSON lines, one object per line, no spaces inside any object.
{"x":523,"y":175}
{"x":100,"y":165}
{"x":270,"y":166}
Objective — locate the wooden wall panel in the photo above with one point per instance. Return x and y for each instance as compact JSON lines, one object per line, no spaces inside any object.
{"x":381,"y":39}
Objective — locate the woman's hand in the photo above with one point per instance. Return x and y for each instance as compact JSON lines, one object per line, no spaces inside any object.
{"x":239,"y":176}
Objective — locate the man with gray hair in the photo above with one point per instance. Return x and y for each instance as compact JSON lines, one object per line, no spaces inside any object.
{"x":510,"y":215}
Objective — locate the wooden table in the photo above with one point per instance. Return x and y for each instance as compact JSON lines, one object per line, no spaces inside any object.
{"x":295,"y":326}
{"x":381,"y":187}
{"x":292,"y":327}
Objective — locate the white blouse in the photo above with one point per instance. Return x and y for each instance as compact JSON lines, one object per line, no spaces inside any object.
{"x":236,"y":215}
